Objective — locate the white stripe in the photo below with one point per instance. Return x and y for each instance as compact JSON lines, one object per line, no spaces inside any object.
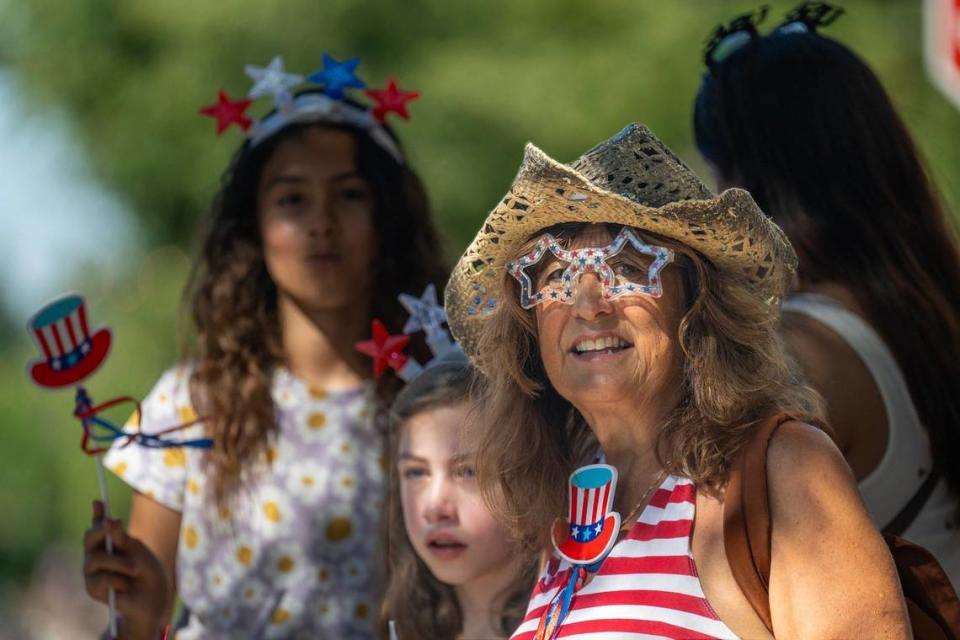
{"x":541,"y":599}
{"x":591,"y":500}
{"x":672,"y":482}
{"x":526,"y":627}
{"x":673,"y":511}
{"x":51,"y":341}
{"x":68,"y":345}
{"x":669,"y":582}
{"x":77,"y":330}
{"x":580,"y":498}
{"x":651,"y":548}
{"x":677,"y":618}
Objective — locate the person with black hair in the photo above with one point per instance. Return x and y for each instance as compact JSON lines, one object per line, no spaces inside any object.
{"x":802,"y":122}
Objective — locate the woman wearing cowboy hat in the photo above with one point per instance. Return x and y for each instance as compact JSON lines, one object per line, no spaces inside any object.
{"x":617,"y":306}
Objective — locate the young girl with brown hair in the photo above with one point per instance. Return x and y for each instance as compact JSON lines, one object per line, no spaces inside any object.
{"x":454,"y":570}
{"x":318,"y":225}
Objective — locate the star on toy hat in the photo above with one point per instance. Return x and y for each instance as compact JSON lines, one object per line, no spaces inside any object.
{"x":337,"y":76}
{"x":391,"y":99}
{"x":228,"y":112}
{"x":272,"y":80}
{"x":385,"y":349}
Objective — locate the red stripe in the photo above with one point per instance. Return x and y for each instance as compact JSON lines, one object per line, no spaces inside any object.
{"x":955,"y":35}
{"x":597,"y":499}
{"x":82,"y":312}
{"x":606,"y":496}
{"x":680,"y":493}
{"x":583,"y":509}
{"x":573,"y":503}
{"x":664,"y":529}
{"x":73,"y":336}
{"x":56,"y":338}
{"x":43,"y":343}
{"x":676,"y":565}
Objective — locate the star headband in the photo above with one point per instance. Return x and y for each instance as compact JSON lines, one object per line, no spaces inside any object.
{"x":625,"y":276}
{"x":425,"y":315}
{"x":328,"y":105}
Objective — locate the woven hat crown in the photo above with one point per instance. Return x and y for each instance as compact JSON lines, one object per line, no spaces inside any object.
{"x":637,"y":166}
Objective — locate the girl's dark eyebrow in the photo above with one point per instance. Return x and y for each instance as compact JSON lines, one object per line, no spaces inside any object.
{"x":345,"y":176}
{"x":407,"y":456}
{"x":285,"y":178}
{"x":296,"y":178}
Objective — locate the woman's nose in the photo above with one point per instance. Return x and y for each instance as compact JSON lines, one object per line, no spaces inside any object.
{"x":588,"y":301}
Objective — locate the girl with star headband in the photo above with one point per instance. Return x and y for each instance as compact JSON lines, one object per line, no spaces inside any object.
{"x":318,"y":226}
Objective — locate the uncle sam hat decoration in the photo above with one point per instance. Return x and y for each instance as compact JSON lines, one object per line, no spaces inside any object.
{"x":590,"y":531}
{"x":71,"y":352}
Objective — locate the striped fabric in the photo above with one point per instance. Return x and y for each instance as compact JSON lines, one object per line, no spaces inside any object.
{"x":647,"y":588}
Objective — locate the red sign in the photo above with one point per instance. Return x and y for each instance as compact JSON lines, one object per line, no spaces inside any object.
{"x":942,"y":45}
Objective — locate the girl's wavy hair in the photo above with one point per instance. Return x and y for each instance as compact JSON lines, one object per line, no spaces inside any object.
{"x":801,"y":122}
{"x":233,"y":300}
{"x":415,"y":600}
{"x":735,"y":373}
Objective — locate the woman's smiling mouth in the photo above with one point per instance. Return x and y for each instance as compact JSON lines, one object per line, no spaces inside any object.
{"x":592,"y":348}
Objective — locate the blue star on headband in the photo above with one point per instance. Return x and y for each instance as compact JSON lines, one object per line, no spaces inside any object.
{"x":337,"y":76}
{"x":425,"y":314}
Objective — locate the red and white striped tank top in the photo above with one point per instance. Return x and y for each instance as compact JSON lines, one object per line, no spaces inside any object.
{"x":647,"y":588}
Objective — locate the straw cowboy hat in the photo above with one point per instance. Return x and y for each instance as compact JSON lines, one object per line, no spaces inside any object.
{"x":632,"y":179}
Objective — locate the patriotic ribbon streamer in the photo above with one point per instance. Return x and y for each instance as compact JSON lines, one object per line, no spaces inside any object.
{"x":552,"y":619}
{"x":97,"y":431}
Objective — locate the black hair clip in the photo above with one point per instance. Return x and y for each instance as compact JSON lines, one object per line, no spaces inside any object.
{"x":727,"y":38}
{"x":808,"y":17}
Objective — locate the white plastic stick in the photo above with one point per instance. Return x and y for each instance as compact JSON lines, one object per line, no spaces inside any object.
{"x":111,"y":596}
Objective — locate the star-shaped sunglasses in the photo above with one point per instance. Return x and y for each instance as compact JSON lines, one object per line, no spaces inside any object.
{"x":627,"y":266}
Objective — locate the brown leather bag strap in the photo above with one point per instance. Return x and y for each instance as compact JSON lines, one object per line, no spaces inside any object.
{"x":746,"y":516}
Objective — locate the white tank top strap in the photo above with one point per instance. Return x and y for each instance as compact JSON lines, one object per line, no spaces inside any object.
{"x":907,"y":461}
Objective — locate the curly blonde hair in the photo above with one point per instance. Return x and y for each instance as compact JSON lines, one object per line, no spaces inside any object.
{"x":735,"y":373}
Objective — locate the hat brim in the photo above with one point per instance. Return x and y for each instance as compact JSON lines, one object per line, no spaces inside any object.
{"x":577,"y":552}
{"x":729,"y":230}
{"x":45,"y":376}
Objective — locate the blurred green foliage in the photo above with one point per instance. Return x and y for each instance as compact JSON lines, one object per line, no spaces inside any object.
{"x":494,"y":74}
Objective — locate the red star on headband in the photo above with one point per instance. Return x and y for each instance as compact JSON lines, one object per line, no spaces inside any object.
{"x":391,"y":99}
{"x":385,"y":349}
{"x":228,"y":112}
